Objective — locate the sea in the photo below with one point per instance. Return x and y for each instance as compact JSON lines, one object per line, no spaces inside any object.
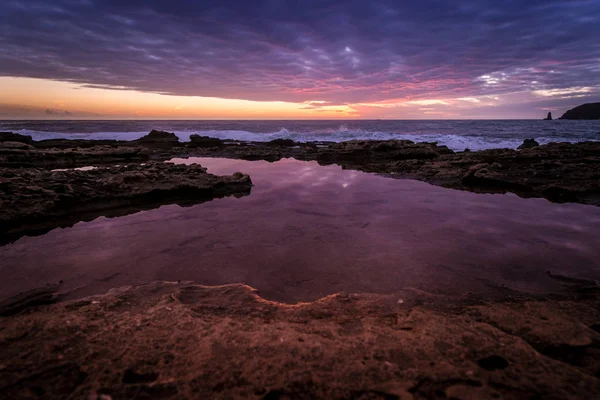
{"x":456,"y":134}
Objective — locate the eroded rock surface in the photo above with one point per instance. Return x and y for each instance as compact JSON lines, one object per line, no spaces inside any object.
{"x":36,"y":200}
{"x":168,"y":340}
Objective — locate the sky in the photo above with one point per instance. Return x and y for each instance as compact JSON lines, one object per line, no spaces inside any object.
{"x":297,"y":59}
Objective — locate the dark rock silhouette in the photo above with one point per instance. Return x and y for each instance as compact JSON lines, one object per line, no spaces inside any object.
{"x":584,"y":111}
{"x":159,"y":139}
{"x":549,"y":117}
{"x":528,"y":144}
{"x":15,"y":137}
{"x":204,"y":141}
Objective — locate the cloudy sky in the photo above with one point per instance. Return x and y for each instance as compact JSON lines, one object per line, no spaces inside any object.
{"x":297,"y":58}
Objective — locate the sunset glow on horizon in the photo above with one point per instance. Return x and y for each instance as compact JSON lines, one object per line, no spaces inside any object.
{"x":76,"y":59}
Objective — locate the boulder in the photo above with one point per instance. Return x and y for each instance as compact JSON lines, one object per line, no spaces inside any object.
{"x":528,"y":144}
{"x":159,"y":138}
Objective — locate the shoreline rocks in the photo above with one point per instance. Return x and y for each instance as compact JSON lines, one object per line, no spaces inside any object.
{"x":559,"y":172}
{"x":34,"y":201}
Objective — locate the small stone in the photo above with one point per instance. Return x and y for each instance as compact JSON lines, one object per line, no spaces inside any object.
{"x":400,"y":301}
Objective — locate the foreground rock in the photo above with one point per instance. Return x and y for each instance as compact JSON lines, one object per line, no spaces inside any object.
{"x":584,"y":111}
{"x":33,"y":201}
{"x":188,"y":341}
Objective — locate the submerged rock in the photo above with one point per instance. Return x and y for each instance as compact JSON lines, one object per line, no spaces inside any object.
{"x":584,"y":111}
{"x":33,"y":201}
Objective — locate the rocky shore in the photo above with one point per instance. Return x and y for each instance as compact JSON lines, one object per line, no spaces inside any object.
{"x":559,"y":172}
{"x":34,"y":201}
{"x":181,"y":340}
{"x":170,"y":340}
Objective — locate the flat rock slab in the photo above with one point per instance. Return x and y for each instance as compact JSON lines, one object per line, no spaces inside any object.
{"x":167,"y":340}
{"x":33,"y":201}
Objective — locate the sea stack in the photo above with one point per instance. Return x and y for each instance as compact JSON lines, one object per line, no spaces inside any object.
{"x":549,"y":117}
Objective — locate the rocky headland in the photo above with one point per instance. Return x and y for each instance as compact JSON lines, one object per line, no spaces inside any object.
{"x":584,"y":111}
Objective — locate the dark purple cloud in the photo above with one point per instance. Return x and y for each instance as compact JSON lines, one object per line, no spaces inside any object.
{"x":344,"y":51}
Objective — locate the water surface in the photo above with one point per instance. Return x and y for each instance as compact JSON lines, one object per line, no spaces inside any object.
{"x":307,"y":231}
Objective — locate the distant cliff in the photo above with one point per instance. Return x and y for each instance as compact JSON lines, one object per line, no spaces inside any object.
{"x":585,"y":111}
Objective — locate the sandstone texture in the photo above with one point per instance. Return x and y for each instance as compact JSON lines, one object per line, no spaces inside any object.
{"x":34,"y":200}
{"x":179,"y":341}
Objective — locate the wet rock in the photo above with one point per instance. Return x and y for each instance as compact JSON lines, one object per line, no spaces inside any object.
{"x":159,"y":139}
{"x":204,"y":141}
{"x":33,"y":201}
{"x":15,"y":137}
{"x":528,"y":144}
{"x":382,"y":151}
